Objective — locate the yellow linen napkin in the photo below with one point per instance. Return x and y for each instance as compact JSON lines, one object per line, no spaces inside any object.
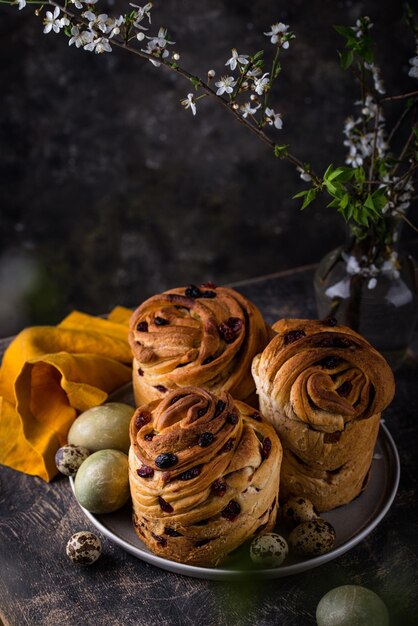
{"x":49,"y":375}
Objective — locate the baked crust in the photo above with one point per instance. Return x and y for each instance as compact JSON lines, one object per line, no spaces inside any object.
{"x":207,"y":341}
{"x":323,"y":388}
{"x":222,"y":488}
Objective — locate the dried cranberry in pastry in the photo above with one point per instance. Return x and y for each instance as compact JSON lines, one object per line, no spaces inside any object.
{"x":190,"y":473}
{"x":219,"y":487}
{"x":201,"y":412}
{"x":229,"y":330}
{"x":171,"y":532}
{"x":266,"y":449}
{"x":143,"y":418}
{"x":142,"y":327}
{"x":140,"y":372}
{"x":334,"y":342}
{"x":208,"y":285}
{"x":228,"y":446}
{"x":193,"y":292}
{"x":330,"y":362}
{"x":220,"y":407}
{"x":256,"y":416}
{"x":231,"y":511}
{"x":166,"y":460}
{"x":160,"y":388}
{"x":209,"y":359}
{"x":294,"y":335}
{"x":232,"y":418}
{"x":175,"y":399}
{"x":344,"y":389}
{"x":165,"y":506}
{"x":160,"y":321}
{"x":149,"y":436}
{"x":145,"y":472}
{"x":160,"y":540}
{"x":205,"y":440}
{"x":330,"y":321}
{"x":208,"y":294}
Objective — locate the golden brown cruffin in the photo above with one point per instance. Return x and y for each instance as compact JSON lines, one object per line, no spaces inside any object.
{"x":204,"y":475}
{"x":201,"y":335}
{"x":323,"y":387}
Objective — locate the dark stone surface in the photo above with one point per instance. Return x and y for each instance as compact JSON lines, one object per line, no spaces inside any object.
{"x":39,"y":587}
{"x":110,"y":192}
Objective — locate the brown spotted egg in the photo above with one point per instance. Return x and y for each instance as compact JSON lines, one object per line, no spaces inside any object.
{"x":295,"y":511}
{"x":268,"y":550}
{"x":312,"y":538}
{"x":84,"y":548}
{"x":69,"y":458}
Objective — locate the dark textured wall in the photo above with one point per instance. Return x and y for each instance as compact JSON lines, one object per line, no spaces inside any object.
{"x":111,"y":192}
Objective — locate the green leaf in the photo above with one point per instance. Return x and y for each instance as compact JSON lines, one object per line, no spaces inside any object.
{"x":310,"y":197}
{"x":195,"y":81}
{"x":258,"y":55}
{"x":345,"y":31}
{"x":300,"y":194}
{"x":281,"y":151}
{"x":346,"y":59}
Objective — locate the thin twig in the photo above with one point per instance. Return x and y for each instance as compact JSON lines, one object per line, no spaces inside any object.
{"x":406,"y":220}
{"x":401,"y":96}
{"x":376,"y":124}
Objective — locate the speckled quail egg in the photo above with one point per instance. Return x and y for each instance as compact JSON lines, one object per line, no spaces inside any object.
{"x":295,"y":511}
{"x":84,"y":548}
{"x":312,"y":538}
{"x":351,"y":605}
{"x":69,"y":458}
{"x":103,"y":427}
{"x":102,"y":483}
{"x":268,"y":550}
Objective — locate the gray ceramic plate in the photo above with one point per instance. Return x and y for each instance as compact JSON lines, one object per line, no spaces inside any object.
{"x":352,"y":522}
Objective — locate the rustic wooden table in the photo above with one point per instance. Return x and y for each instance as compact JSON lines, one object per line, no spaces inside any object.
{"x":39,"y":586}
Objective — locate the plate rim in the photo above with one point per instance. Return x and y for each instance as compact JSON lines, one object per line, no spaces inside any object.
{"x":221,"y":574}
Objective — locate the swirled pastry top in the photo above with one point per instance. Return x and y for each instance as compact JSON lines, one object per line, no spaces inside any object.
{"x":322,"y":374}
{"x":205,"y":336}
{"x":204,"y":474}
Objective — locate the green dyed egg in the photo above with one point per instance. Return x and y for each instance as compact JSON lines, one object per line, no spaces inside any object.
{"x":103,"y":427}
{"x":351,"y":605}
{"x":102,"y":484}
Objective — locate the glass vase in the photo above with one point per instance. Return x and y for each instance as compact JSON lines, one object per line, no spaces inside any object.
{"x":375,"y":295}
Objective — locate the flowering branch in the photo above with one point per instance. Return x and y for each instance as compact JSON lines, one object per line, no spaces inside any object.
{"x":366,"y":201}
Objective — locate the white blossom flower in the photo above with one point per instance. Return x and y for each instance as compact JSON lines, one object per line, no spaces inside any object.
{"x":80,"y":38}
{"x":140,"y":36}
{"x":113,"y":26}
{"x":225,"y":85}
{"x":246,"y":109}
{"x":51,"y":21}
{"x":273,"y":118}
{"x":370,"y":106}
{"x":354,"y":159}
{"x":189,"y":103}
{"x":20,"y":3}
{"x":372,"y":283}
{"x":278,"y":34}
{"x":349,"y":125}
{"x":79,"y":3}
{"x":254,"y":72}
{"x":413,"y":71}
{"x":362,"y":26}
{"x":261,"y":84}
{"x":99,"y":45}
{"x":211,"y":74}
{"x":378,"y":82}
{"x":242,"y":59}
{"x":161,"y":40}
{"x":304,"y":174}
{"x":141,"y":13}
{"x":154,"y":49}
